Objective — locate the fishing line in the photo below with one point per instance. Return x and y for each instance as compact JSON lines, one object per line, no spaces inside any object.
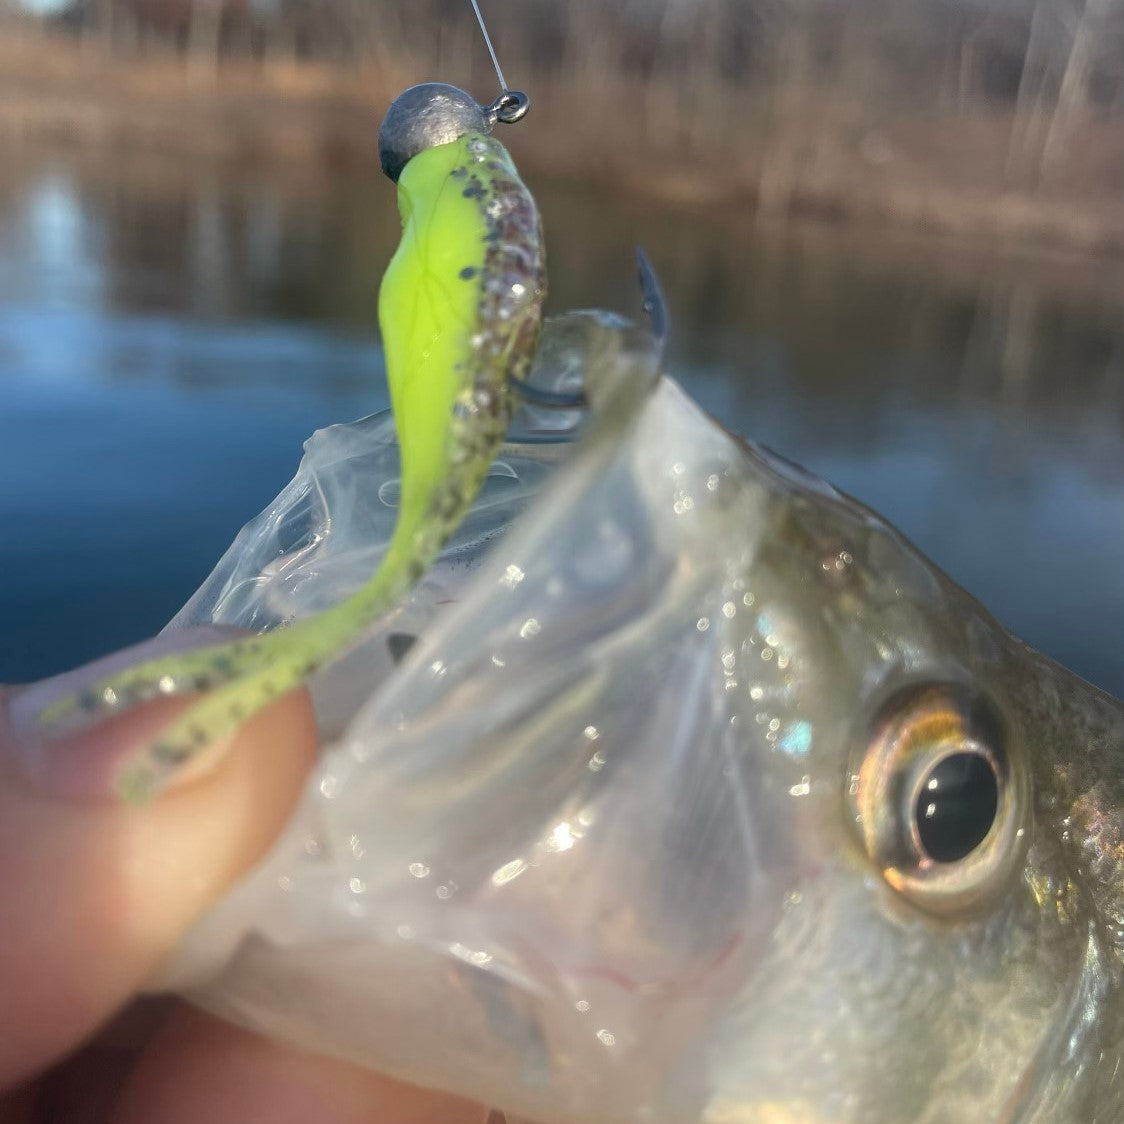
{"x":511,"y":105}
{"x":488,"y":44}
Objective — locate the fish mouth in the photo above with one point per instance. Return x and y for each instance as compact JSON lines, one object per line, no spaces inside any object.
{"x":547,"y":849}
{"x":578,"y":787}
{"x":579,"y":845}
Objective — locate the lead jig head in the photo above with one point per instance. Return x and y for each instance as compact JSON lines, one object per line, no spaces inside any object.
{"x":423,"y":117}
{"x":434,"y":113}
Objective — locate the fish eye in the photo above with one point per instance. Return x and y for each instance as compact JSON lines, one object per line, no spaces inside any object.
{"x":939,"y":796}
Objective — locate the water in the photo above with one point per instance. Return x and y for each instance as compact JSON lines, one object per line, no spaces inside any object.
{"x":171,"y":330}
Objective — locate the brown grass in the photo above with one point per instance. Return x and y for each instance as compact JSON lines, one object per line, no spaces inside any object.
{"x":812,"y":158}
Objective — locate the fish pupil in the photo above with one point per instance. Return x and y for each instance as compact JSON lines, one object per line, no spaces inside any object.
{"x":956,"y":806}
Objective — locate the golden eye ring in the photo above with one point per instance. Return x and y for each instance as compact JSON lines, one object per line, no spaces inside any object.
{"x":939,"y":796}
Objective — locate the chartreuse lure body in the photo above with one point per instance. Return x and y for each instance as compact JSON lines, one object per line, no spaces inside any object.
{"x":459,"y":309}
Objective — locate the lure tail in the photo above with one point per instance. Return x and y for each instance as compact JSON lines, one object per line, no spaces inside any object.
{"x":266,"y":668}
{"x":460,"y":309}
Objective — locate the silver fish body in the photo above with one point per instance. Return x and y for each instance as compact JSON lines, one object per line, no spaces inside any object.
{"x":702,"y":796}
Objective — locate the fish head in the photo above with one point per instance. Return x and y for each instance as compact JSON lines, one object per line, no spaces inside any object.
{"x":940,"y":941}
{"x":700,"y":796}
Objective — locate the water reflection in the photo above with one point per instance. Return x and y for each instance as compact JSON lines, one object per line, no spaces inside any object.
{"x":170,"y":330}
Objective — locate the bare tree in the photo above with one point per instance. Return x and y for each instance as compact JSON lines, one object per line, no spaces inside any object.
{"x":1072,"y":99}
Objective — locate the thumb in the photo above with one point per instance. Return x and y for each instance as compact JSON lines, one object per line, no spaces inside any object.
{"x":94,"y":893}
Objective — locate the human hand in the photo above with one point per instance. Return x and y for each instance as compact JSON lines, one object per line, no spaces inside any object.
{"x":94,"y":894}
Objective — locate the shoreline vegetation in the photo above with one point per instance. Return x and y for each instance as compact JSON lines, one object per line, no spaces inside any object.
{"x":998,"y":130}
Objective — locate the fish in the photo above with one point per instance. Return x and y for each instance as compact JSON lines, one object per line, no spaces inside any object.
{"x":682,"y":789}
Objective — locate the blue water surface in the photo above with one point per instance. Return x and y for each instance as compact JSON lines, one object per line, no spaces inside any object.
{"x":171,"y":331}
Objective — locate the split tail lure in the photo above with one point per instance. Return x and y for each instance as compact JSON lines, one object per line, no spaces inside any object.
{"x":460,"y":309}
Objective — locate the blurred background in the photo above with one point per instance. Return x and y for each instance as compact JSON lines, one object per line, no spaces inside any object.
{"x":891,"y":234}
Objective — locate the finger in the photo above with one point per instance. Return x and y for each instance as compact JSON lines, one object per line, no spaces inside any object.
{"x":19,"y":1106}
{"x":198,"y":1068}
{"x":84,"y":1087}
{"x":93,"y":894}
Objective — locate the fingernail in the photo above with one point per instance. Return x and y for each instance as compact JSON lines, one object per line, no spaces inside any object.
{"x":86,"y":763}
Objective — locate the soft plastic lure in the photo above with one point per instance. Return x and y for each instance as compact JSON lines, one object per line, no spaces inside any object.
{"x":460,"y":309}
